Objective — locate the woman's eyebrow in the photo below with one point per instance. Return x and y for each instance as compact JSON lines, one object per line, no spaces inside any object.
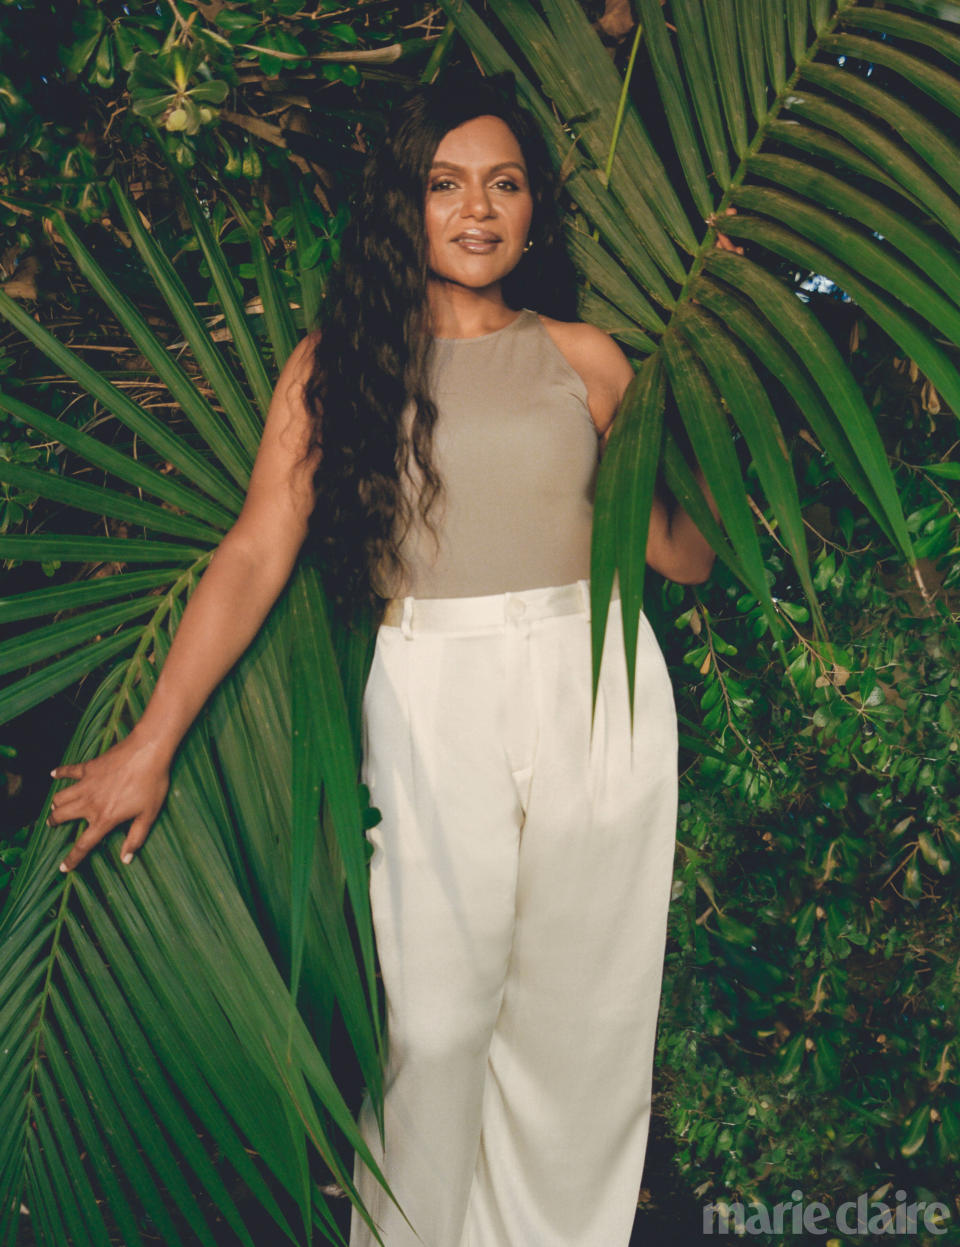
{"x":506,"y":164}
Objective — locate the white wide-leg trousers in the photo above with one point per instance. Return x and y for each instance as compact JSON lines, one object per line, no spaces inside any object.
{"x":519,"y":884}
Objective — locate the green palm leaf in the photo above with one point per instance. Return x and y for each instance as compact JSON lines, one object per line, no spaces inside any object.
{"x":236,"y":406}
{"x":117,"y":464}
{"x":281,"y":329}
{"x":246,"y":344}
{"x":191,"y":402}
{"x":186,"y":458}
{"x":57,"y":597}
{"x":168,"y":1026}
{"x":741,"y":83}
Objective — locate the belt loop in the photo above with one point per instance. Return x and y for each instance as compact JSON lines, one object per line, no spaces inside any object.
{"x":406,"y":619}
{"x":585,"y":596}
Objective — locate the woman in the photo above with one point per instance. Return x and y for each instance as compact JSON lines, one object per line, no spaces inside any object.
{"x":438,"y":446}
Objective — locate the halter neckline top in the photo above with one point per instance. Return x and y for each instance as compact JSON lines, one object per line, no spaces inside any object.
{"x":517,"y":451}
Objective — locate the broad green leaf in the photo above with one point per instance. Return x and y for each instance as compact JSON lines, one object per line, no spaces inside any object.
{"x":899,"y":280}
{"x":694,"y":49}
{"x":734,"y":377}
{"x":751,"y":57}
{"x":153,"y":431}
{"x":103,"y":501}
{"x":691,"y":497}
{"x":245,"y":422}
{"x":723,"y":45}
{"x":927,"y":139}
{"x":338,"y":760}
{"x":31,"y":690}
{"x":816,"y":348}
{"x":48,"y":547}
{"x":943,"y":10}
{"x":601,"y":269}
{"x":938,"y":262}
{"x":82,"y":593}
{"x":930,"y":79}
{"x":712,"y":442}
{"x":276,"y":310}
{"x":603,"y":552}
{"x":774,"y":351}
{"x":193,"y":405}
{"x":892,"y":157}
{"x":311,"y":278}
{"x":595,"y":310}
{"x":65,"y":633}
{"x":904,"y":27}
{"x":915,"y":340}
{"x":818,"y":142}
{"x":246,"y":344}
{"x":773,"y":30}
{"x":105,"y":457}
{"x":676,"y":107}
{"x":637,"y":457}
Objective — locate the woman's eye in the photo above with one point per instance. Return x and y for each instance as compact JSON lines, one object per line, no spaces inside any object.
{"x":507,"y":184}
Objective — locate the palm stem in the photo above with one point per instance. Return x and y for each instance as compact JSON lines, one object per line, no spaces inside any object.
{"x":112,"y":728}
{"x":621,"y":111}
{"x":622,"y":103}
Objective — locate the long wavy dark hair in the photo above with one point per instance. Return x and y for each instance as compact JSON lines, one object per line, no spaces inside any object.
{"x":373,"y":351}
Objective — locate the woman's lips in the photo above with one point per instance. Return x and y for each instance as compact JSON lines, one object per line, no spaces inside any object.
{"x":477,"y":246}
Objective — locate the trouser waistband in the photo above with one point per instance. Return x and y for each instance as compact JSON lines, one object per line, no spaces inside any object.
{"x":414,"y":614}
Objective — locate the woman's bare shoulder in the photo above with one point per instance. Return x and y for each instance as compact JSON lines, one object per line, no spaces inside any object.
{"x":299,"y":364}
{"x":593,"y":353}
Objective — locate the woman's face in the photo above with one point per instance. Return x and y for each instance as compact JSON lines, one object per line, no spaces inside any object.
{"x":478,"y":204}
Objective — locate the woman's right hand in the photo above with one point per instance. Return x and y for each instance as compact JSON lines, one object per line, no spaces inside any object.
{"x":129,"y":781}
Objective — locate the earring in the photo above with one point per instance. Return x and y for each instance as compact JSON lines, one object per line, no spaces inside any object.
{"x":529,"y":244}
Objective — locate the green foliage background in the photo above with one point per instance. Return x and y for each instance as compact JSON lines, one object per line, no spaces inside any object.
{"x":809,"y":1034}
{"x":809,"y":1030}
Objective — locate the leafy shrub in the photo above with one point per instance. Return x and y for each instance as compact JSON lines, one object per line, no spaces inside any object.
{"x":809,"y":1031}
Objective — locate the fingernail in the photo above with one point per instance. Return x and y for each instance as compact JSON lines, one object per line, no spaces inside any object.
{"x":63,"y":867}
{"x":127,"y":859}
{"x":54,"y":772}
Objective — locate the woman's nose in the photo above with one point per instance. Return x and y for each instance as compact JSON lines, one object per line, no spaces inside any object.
{"x":476,"y":201}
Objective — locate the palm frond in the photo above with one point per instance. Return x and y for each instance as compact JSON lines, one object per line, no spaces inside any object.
{"x":231,"y":395}
{"x":247,"y":346}
{"x":168,"y":1025}
{"x":826,"y":169}
{"x":176,"y":450}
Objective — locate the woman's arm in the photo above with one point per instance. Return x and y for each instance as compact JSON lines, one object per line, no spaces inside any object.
{"x":244,"y":578}
{"x":675,"y":546}
{"x":248,"y":570}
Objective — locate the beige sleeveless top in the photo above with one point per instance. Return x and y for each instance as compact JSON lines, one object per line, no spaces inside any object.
{"x":517,"y":451}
